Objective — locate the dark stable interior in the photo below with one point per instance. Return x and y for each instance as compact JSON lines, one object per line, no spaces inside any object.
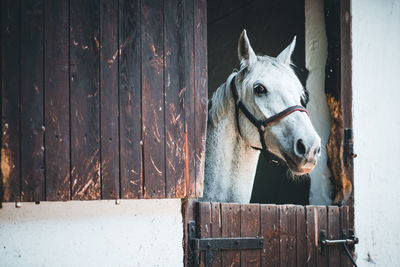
{"x":271,"y":26}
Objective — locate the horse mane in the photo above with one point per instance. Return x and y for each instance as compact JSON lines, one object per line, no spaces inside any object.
{"x":221,"y":97}
{"x":219,"y":101}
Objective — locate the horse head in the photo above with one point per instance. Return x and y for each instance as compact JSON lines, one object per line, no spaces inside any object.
{"x":266,"y":86}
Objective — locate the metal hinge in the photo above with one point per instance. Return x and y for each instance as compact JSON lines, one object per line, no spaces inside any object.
{"x":212,"y":246}
{"x":348,"y":146}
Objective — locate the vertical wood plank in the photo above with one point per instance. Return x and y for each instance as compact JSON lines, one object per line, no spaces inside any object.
{"x":287,"y":238}
{"x":57,"y":100}
{"x":216,"y":228}
{"x":312,"y":238}
{"x":201,"y":99}
{"x":250,"y":227}
{"x":153,"y":97}
{"x":230,"y":216}
{"x":204,"y":231}
{"x":32,"y":94}
{"x":10,"y":101}
{"x":334,"y":233}
{"x":301,"y":238}
{"x":109,"y":98}
{"x":85,"y":128}
{"x":131,"y":152}
{"x":322,"y":258}
{"x":174,"y":96}
{"x":190,"y":133}
{"x":344,"y":226}
{"x":270,"y":232}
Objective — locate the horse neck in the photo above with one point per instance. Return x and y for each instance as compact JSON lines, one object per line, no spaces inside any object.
{"x":230,"y":163}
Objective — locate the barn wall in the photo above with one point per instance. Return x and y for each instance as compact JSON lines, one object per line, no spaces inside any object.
{"x":316,"y":53}
{"x":376,"y":92}
{"x":92,"y":233}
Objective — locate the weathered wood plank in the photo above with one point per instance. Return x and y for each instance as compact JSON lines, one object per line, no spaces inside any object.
{"x":32,"y":113}
{"x":57,"y":100}
{"x":216,"y":229}
{"x":301,"y":236}
{"x":204,"y":231}
{"x":250,"y":227}
{"x":338,"y":91}
{"x":287,"y":237}
{"x":270,"y":232}
{"x":201,"y":98}
{"x":85,"y":128}
{"x":174,"y":96}
{"x":334,"y":233}
{"x":312,"y":235}
{"x":190,"y":133}
{"x":322,"y":258}
{"x":10,"y":101}
{"x":344,"y":225}
{"x":153,"y":98}
{"x":131,"y":150}
{"x":230,"y":217}
{"x":109,"y":98}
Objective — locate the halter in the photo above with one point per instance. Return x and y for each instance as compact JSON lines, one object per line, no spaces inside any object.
{"x":260,"y":124}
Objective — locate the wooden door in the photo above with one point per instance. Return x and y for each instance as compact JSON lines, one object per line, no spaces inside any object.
{"x":291,"y":233}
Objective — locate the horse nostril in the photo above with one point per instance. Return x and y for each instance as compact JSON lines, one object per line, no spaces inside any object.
{"x":301,"y":148}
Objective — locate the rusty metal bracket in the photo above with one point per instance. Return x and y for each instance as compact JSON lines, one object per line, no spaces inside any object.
{"x":212,"y":246}
{"x":348,"y":146}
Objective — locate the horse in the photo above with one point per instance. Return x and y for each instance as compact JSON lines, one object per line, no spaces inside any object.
{"x":260,"y":107}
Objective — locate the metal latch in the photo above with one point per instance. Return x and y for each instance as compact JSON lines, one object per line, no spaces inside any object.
{"x":350,"y":240}
{"x":212,"y":246}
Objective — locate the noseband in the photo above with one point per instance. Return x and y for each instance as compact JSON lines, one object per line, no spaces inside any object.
{"x":259,"y":124}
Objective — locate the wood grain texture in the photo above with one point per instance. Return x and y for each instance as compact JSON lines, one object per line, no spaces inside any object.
{"x":174,"y":99}
{"x":333,"y":232}
{"x":57,"y":106}
{"x":204,"y":224}
{"x":32,"y":101}
{"x":250,"y":227}
{"x":338,"y":91}
{"x":190,"y":133}
{"x":230,"y":217}
{"x":301,"y":236}
{"x":322,"y":224}
{"x":153,"y":98}
{"x":344,"y":226}
{"x":10,"y":101}
{"x":130,"y":98}
{"x":85,"y":104}
{"x":287,"y":235}
{"x":312,"y":235}
{"x":270,"y":232}
{"x":109,"y":90}
{"x":201,"y":95}
{"x":216,"y":229}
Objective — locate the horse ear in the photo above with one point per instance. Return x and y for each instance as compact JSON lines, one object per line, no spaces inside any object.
{"x":245,"y":52}
{"x":286,"y":54}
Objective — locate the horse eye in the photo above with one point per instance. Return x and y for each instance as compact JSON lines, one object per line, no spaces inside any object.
{"x":259,"y":89}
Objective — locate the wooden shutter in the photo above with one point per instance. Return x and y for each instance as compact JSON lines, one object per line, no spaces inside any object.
{"x":103,"y":99}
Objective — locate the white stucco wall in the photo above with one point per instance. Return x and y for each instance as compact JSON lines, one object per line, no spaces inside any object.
{"x":376,"y":96}
{"x":316,"y":54}
{"x":92,"y":233}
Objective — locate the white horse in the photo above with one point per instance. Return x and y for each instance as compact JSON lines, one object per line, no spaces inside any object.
{"x":258,"y":107}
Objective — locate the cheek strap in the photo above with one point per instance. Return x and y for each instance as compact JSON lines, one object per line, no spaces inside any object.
{"x":260,"y":124}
